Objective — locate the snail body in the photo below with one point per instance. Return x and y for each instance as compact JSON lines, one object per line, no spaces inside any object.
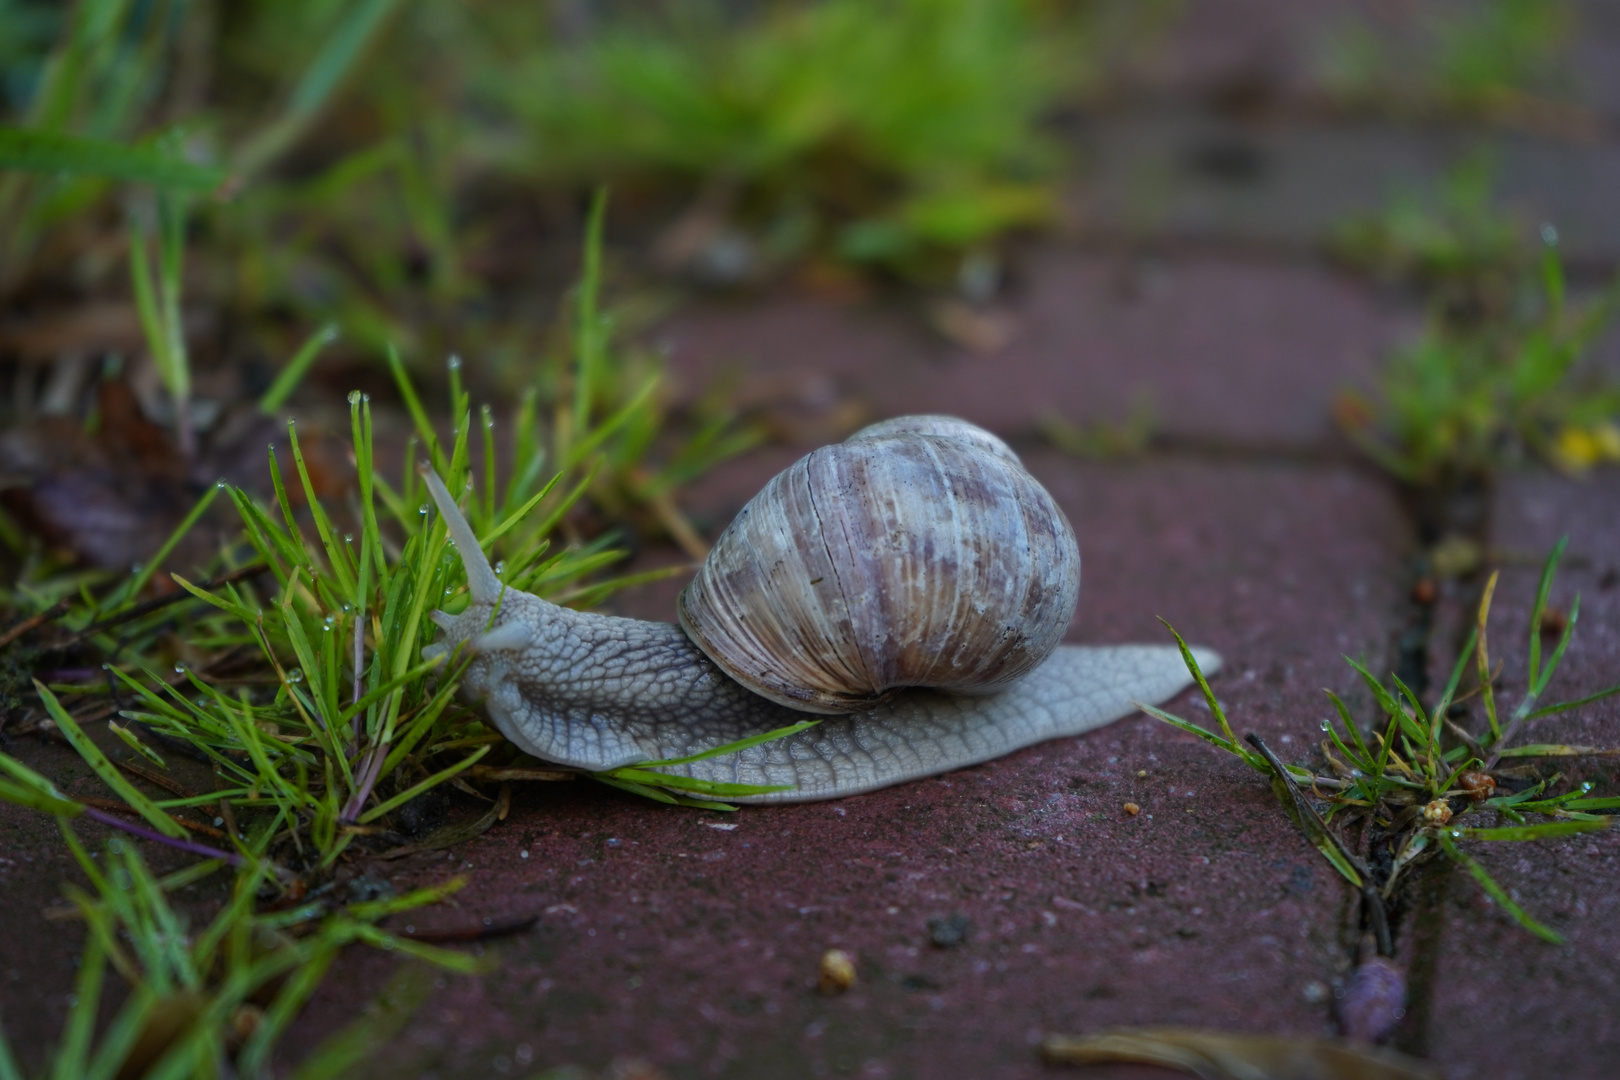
{"x":910,"y":585}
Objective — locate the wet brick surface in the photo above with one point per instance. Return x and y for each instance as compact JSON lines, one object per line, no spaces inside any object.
{"x":691,"y":939}
{"x":1507,"y":1005}
{"x":695,"y":946}
{"x":1242,"y":350}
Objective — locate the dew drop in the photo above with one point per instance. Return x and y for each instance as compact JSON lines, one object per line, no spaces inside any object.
{"x":180,"y":669}
{"x":1325,"y":726}
{"x":220,"y":484}
{"x":454,"y":363}
{"x":500,"y":566}
{"x":296,"y":675}
{"x":354,"y":397}
{"x":1549,"y":234}
{"x":422,"y":509}
{"x":348,"y":538}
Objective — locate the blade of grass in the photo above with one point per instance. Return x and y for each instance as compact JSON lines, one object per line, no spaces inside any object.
{"x":293,"y":374}
{"x":1209,"y":699}
{"x":1321,"y":837}
{"x":424,"y":427}
{"x":1352,"y":727}
{"x":733,"y":747}
{"x":1495,"y":891}
{"x":633,"y":775}
{"x":105,"y":769}
{"x":59,"y":153}
{"x":1443,"y":706}
{"x":1487,"y":695}
{"x":1565,"y":706}
{"x":9,"y":1069}
{"x":589,"y":340}
{"x":1557,"y":750}
{"x":418,"y":788}
{"x":342,"y":46}
{"x":1543,"y":589}
{"x":1544,"y":831}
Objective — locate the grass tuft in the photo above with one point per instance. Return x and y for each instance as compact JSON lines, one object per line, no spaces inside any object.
{"x":1405,"y":786}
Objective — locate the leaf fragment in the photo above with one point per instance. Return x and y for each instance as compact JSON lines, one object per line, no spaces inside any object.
{"x":1218,"y":1055}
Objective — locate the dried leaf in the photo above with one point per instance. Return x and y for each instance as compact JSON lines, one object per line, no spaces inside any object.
{"x":1217,"y":1055}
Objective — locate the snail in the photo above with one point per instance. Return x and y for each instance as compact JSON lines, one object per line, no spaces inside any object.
{"x":908,"y":586}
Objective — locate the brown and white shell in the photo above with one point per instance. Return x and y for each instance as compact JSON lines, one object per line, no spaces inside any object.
{"x":918,"y":553}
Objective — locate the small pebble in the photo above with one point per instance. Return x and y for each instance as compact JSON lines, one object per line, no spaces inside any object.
{"x":1374,"y":1000}
{"x":950,"y":930}
{"x":1141,"y":774}
{"x":837,"y":972}
{"x":1132,"y":809}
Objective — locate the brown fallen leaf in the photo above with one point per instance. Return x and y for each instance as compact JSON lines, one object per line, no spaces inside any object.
{"x":1217,"y":1055}
{"x":975,"y":329}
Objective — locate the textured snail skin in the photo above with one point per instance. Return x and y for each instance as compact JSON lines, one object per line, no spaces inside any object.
{"x":597,"y":692}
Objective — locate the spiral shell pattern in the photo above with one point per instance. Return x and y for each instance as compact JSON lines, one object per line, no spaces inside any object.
{"x":918,"y":553}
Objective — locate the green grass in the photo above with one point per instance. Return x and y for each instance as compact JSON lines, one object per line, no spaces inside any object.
{"x":1496,"y":59}
{"x":1456,"y":240}
{"x":1486,"y":388}
{"x":301,"y":677}
{"x":367,"y":164}
{"x":882,"y":132}
{"x":1409,"y":784}
{"x":198,"y":996}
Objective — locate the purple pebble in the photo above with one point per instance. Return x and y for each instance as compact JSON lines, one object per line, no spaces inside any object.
{"x":1374,"y":1000}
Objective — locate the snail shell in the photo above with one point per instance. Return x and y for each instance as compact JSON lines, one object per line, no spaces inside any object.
{"x":919,"y":553}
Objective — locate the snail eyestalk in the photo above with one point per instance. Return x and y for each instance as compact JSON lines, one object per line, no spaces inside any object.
{"x":482,"y":583}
